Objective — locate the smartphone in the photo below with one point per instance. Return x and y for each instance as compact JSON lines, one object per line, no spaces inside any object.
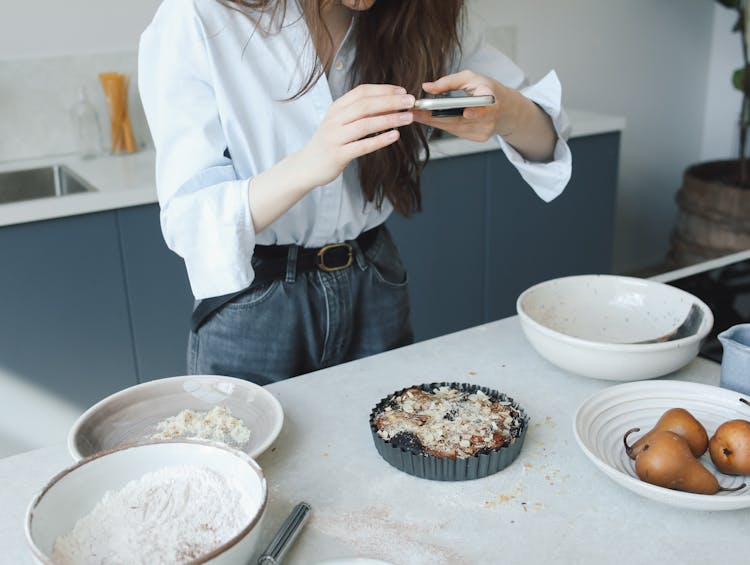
{"x":443,"y":106}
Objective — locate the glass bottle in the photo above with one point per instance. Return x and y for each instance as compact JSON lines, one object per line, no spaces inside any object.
{"x":88,"y":132}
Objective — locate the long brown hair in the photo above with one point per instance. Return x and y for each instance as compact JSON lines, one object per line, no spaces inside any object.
{"x":401,"y":42}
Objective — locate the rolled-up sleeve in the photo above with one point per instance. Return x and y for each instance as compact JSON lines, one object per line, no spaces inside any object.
{"x":547,"y":179}
{"x":205,"y":212}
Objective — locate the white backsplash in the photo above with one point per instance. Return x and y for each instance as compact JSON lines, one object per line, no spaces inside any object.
{"x":36,"y":97}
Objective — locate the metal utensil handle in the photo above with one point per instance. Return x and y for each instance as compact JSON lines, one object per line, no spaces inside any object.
{"x":287,"y":533}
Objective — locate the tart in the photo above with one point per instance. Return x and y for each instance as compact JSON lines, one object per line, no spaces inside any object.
{"x":448,"y":431}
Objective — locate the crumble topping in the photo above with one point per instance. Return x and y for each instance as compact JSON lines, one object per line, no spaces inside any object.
{"x":447,"y":422}
{"x":217,"y":424}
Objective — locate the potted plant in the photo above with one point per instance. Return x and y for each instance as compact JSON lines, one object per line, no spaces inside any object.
{"x":714,"y":200}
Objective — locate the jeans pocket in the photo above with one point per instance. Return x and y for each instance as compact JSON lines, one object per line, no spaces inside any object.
{"x":253,"y":296}
{"x":386,"y":263}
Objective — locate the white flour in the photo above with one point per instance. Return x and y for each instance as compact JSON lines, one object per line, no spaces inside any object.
{"x":217,"y":424}
{"x":170,"y":516}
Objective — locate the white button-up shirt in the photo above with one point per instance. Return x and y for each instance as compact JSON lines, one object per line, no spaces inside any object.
{"x":213,"y":86}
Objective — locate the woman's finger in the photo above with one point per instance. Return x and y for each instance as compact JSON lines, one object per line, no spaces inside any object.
{"x":473,"y":130}
{"x":374,"y":124}
{"x":425,"y":117}
{"x":478,"y":113}
{"x":463,"y":80}
{"x":373,"y":106}
{"x":367,"y":90}
{"x":370,"y":144}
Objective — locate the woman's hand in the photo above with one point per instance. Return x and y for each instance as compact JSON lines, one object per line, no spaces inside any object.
{"x":363,"y":120}
{"x":516,"y":118}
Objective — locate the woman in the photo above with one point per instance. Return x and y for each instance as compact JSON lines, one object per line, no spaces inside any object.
{"x":285,"y":136}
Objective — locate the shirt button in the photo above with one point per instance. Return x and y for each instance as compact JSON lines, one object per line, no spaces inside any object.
{"x":339,"y":65}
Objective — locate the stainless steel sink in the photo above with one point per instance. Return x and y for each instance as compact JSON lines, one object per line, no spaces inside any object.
{"x":57,"y":180}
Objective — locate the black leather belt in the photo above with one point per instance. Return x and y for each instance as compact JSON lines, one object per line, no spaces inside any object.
{"x":272,"y":265}
{"x":331,"y":257}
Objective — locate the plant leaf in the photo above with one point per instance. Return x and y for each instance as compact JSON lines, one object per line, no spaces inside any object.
{"x":739,"y":78}
{"x":729,"y":3}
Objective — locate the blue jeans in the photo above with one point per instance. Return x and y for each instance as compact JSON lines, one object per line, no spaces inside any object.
{"x":309,"y":320}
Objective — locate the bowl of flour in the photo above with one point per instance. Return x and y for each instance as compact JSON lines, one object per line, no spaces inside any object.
{"x":156,"y":503}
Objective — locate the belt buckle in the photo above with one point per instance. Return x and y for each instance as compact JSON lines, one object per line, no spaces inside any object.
{"x":320,"y":257}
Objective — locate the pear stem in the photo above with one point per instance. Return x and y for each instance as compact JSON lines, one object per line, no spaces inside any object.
{"x":744,"y":400}
{"x":629,"y":448}
{"x":735,"y":489}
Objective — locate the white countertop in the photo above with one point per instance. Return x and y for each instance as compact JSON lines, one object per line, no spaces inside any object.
{"x":691,"y":270}
{"x":552,"y":505}
{"x":582,"y":124}
{"x":128,"y":180}
{"x":120,"y":180}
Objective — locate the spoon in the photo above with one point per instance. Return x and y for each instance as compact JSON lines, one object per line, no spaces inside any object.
{"x":689,"y":326}
{"x":288,"y":532}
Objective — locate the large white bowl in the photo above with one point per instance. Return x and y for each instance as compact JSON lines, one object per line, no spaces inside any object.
{"x":131,"y":415}
{"x":74,"y":492}
{"x":590,"y":325}
{"x":602,"y":420}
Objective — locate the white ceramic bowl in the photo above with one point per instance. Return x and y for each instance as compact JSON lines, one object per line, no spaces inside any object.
{"x":131,"y":415}
{"x":74,"y":492}
{"x":602,"y":420}
{"x":589,"y":325}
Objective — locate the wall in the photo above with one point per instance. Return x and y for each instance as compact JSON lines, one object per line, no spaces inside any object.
{"x":48,"y":51}
{"x":644,"y":60}
{"x":43,"y":28}
{"x":723,"y":102}
{"x":37,"y":96}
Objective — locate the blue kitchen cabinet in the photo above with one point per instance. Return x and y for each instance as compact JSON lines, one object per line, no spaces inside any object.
{"x":158,"y":294}
{"x":529,"y":241}
{"x":95,"y":303}
{"x":484,"y":236}
{"x":64,"y":325}
{"x":443,"y":246}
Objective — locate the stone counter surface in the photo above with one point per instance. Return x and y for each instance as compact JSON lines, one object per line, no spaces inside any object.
{"x":128,"y":180}
{"x":552,"y":505}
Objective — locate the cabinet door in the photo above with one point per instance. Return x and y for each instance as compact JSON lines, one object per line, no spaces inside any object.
{"x":64,"y":322}
{"x":158,"y":293}
{"x":444,"y":246}
{"x":531,"y":241}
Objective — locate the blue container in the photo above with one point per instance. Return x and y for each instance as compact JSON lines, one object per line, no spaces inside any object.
{"x":735,"y":363}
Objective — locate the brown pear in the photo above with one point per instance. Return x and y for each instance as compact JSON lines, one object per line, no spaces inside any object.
{"x":730,"y":447}
{"x":679,"y":421}
{"x":666,"y":460}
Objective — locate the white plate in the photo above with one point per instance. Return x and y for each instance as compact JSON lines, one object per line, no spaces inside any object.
{"x":602,"y":420}
{"x":131,"y":415}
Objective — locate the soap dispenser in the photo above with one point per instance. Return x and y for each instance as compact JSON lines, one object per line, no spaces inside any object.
{"x":88,"y":133}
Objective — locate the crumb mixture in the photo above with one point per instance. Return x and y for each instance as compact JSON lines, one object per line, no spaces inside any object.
{"x":170,"y":516}
{"x":447,"y":422}
{"x":217,"y":424}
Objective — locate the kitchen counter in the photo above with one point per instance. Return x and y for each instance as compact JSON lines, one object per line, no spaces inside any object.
{"x":552,"y":505}
{"x":120,"y":180}
{"x":128,"y":180}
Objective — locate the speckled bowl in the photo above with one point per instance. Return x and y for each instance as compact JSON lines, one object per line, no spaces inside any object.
{"x":74,"y":492}
{"x":132,"y":415}
{"x":591,"y":325}
{"x":427,"y":466}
